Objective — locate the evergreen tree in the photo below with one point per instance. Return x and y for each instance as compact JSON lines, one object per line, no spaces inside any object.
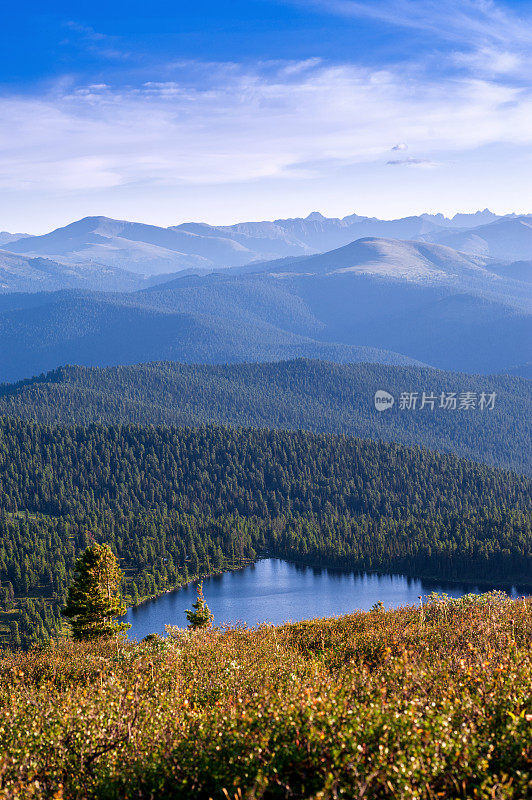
{"x":200,"y":616}
{"x":93,"y":600}
{"x":15,"y":635}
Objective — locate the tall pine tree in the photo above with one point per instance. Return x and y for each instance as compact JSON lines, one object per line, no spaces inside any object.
{"x":93,"y":599}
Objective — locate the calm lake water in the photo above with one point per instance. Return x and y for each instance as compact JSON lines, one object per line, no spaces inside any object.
{"x":277,"y":591}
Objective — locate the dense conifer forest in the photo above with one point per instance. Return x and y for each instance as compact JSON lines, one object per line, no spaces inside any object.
{"x":175,"y":503}
{"x":299,"y":394}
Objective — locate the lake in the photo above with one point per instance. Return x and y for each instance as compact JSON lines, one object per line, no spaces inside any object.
{"x":276,"y":591}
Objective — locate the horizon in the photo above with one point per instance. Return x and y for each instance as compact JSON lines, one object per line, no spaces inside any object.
{"x":449,"y":216}
{"x":263,"y":110}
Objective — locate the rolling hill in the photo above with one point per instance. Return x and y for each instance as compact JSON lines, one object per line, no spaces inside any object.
{"x":406,"y":261}
{"x":101,"y":331}
{"x":422,"y":300}
{"x":19,"y":273}
{"x":300,"y":394}
{"x":374,"y":300}
{"x":509,"y":238}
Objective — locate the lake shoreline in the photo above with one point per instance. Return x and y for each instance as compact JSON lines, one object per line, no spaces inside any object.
{"x":480,"y":582}
{"x":276,"y":591}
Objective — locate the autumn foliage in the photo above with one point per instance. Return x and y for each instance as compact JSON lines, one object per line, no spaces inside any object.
{"x":411,"y":703}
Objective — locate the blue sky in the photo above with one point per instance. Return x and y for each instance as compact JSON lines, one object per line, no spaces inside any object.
{"x":225,"y":111}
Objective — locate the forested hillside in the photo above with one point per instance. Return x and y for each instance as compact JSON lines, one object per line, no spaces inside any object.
{"x":175,"y":503}
{"x":37,"y":335}
{"x":301,"y":394}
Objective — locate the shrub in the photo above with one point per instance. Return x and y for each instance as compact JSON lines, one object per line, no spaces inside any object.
{"x":397,"y":704}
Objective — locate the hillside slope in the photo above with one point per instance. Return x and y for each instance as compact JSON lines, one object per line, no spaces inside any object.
{"x":408,"y":262}
{"x":425,"y":301}
{"x":102,"y":331}
{"x":509,"y":238}
{"x":20,"y":273}
{"x":400,"y":704}
{"x":309,"y":395}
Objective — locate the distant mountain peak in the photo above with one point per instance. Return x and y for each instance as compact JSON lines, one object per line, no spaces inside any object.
{"x":6,"y":237}
{"x":315,"y":215}
{"x":477,"y":216}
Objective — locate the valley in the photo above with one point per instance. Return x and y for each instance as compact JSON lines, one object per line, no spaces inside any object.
{"x":201,"y":418}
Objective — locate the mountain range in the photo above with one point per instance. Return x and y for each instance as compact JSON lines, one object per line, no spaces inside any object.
{"x":6,"y":237}
{"x":374,"y":300}
{"x":101,"y":292}
{"x":151,"y":250}
{"x":508,"y":239}
{"x":20,"y":273}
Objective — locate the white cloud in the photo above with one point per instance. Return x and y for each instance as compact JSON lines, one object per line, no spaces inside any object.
{"x":486,"y":37}
{"x":248,"y":124}
{"x":490,"y":61}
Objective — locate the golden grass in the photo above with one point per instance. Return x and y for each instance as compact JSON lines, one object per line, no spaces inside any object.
{"x":399,"y":704}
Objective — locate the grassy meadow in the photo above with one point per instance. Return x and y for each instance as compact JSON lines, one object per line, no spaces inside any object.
{"x":431,"y":702}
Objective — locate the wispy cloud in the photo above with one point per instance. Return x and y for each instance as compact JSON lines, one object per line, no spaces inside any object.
{"x":247,"y":124}
{"x":455,"y":20}
{"x":490,"y":38}
{"x":411,"y":162}
{"x":99,"y":44}
{"x":495,"y":62}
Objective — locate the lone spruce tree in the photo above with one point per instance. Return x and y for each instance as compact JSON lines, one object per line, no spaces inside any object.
{"x":200,"y":616}
{"x":93,"y":599}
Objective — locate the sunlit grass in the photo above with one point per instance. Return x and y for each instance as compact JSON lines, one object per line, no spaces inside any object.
{"x":402,"y":704}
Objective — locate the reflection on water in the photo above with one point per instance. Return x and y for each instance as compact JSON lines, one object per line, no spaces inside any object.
{"x":277,"y":591}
